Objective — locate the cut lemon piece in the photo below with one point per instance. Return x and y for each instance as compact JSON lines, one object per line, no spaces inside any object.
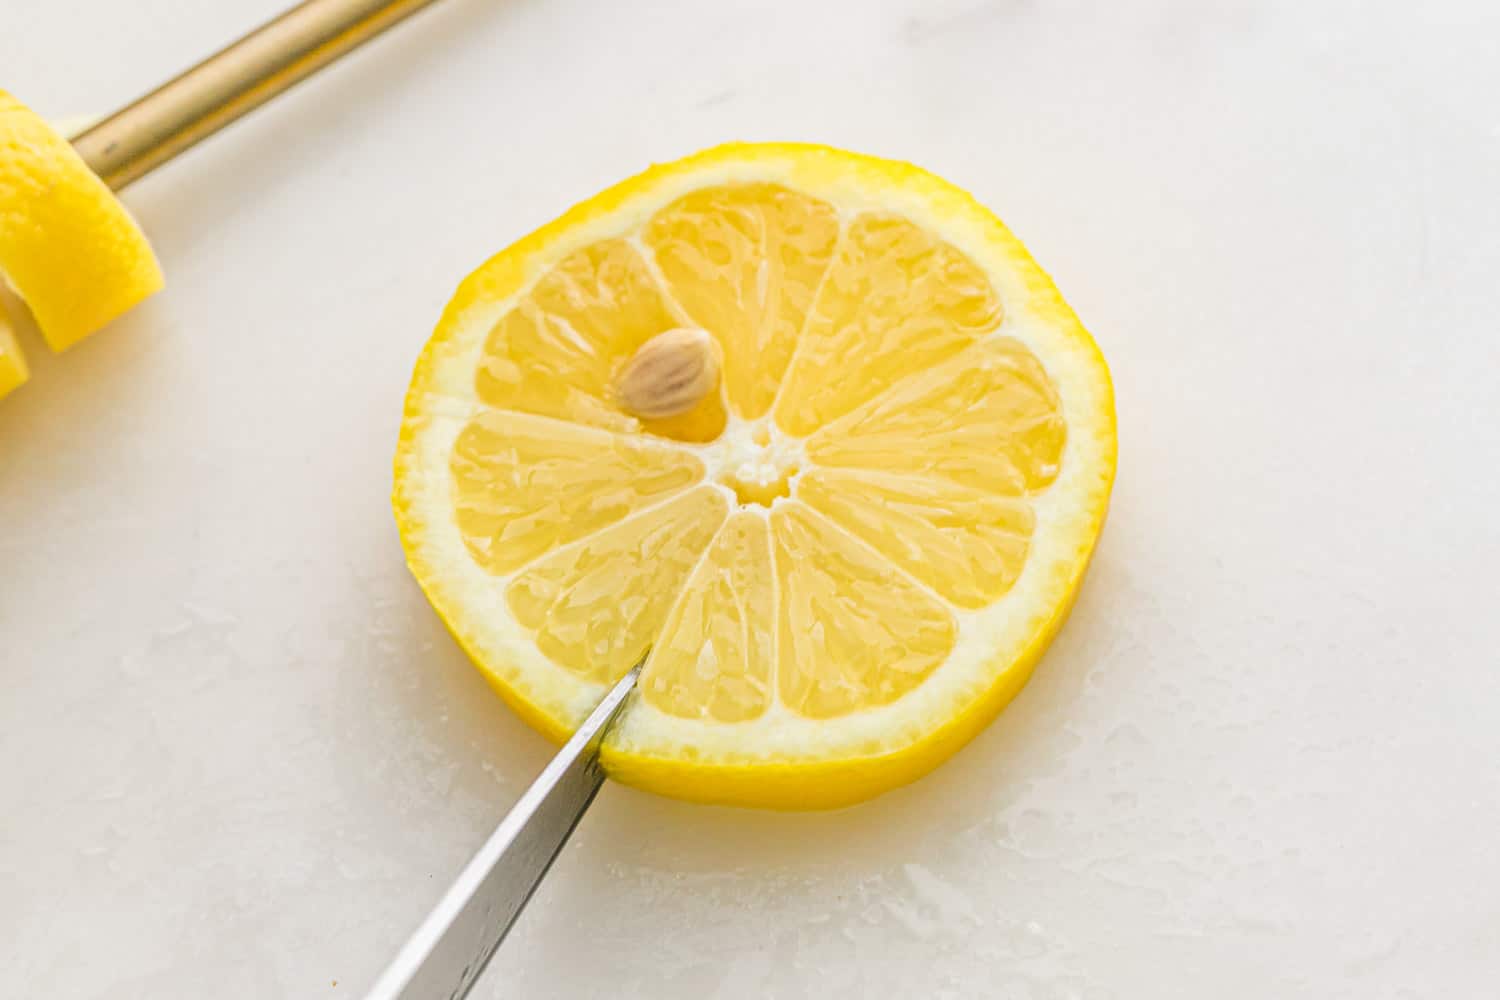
{"x":846,"y":558}
{"x":67,"y":245}
{"x":13,"y":370}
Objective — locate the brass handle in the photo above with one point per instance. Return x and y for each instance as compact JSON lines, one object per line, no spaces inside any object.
{"x":136,"y":140}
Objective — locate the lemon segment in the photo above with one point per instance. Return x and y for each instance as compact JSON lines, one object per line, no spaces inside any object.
{"x":559,"y":351}
{"x":990,"y":419}
{"x":595,"y":607}
{"x":715,"y":658}
{"x":745,"y":262}
{"x":524,"y":485}
{"x":846,"y":559}
{"x":967,"y":545}
{"x":854,"y":633}
{"x":67,"y":244}
{"x":896,"y":300}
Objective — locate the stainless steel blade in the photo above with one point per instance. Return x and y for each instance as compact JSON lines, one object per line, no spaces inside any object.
{"x":445,"y":956}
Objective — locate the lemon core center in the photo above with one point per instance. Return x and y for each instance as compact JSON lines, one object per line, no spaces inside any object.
{"x":758,"y":462}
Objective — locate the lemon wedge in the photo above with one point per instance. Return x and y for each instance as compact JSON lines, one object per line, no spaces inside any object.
{"x":67,"y":244}
{"x":845,"y":558}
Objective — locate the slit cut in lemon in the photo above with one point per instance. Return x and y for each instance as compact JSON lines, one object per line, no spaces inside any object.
{"x":847,"y":558}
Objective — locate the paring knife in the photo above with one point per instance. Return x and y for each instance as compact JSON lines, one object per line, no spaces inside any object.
{"x":446,"y":955}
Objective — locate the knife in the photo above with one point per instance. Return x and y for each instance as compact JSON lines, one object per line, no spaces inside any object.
{"x":449,"y":951}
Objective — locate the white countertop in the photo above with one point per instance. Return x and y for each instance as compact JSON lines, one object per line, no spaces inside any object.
{"x":239,"y":757}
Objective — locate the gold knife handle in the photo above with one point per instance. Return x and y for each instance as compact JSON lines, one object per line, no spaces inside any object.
{"x":136,"y":140}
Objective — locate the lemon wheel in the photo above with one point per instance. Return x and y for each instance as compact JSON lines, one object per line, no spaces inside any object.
{"x":845,"y":557}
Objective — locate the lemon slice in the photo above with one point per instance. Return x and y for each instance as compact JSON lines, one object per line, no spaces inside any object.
{"x":846,"y":558}
{"x":67,"y":245}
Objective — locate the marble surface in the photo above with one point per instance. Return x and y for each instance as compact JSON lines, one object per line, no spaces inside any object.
{"x":239,"y":757}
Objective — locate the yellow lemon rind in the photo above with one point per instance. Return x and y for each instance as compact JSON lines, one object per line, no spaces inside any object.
{"x":67,"y":244}
{"x":13,"y":370}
